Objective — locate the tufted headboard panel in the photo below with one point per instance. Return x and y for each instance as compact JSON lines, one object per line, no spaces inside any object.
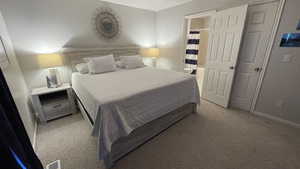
{"x":73,"y":56}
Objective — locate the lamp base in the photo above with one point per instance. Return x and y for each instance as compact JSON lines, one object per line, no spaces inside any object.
{"x":154,"y":62}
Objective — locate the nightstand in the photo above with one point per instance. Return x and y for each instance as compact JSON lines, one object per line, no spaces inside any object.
{"x":52,"y":103}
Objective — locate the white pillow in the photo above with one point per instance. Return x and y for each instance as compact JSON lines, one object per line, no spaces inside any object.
{"x":101,"y":64}
{"x":87,"y":59}
{"x":131,"y":62}
{"x":82,"y":68}
{"x":119,"y":64}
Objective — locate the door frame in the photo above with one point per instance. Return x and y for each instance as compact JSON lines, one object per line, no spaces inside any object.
{"x":269,"y":48}
{"x":187,"y":25}
{"x":271,"y":42}
{"x":201,"y":14}
{"x":188,"y":19}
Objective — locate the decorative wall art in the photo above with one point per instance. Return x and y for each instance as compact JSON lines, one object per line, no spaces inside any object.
{"x":106,"y":23}
{"x":298,"y":26}
{"x":290,"y":40}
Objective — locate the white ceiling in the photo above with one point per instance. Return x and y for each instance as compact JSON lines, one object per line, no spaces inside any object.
{"x":154,"y":5}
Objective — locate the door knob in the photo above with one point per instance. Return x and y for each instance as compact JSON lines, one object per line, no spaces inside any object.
{"x":231,"y":67}
{"x":257,"y":69}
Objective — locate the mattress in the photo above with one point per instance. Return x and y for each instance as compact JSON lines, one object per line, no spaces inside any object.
{"x":120,"y":102}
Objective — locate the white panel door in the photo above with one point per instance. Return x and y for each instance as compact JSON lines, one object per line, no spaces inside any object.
{"x":259,"y":24}
{"x":226,"y":32}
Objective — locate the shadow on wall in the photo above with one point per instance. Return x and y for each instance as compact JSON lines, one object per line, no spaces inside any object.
{"x":79,"y":41}
{"x":82,"y":41}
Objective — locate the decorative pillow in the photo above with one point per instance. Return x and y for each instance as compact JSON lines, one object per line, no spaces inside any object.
{"x":101,"y":64}
{"x":87,"y":59}
{"x":119,"y":64}
{"x":82,"y":68}
{"x":131,"y":62}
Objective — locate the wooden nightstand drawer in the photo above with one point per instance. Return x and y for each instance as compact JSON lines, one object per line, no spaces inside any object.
{"x":55,"y":110}
{"x":56,"y":106}
{"x":52,"y":103}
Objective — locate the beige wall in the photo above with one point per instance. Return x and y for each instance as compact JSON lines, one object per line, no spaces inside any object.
{"x":16,"y":82}
{"x":39,"y":26}
{"x":280,"y":92}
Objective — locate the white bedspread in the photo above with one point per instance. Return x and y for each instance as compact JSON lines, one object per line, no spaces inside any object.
{"x":122,"y":101}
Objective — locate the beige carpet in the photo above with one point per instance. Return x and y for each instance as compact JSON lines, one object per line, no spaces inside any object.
{"x":214,"y":138}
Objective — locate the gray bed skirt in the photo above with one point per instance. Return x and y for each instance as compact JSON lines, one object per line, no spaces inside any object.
{"x":144,"y":133}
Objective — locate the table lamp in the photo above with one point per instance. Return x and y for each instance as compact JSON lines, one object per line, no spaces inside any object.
{"x":151,"y":52}
{"x":51,"y":61}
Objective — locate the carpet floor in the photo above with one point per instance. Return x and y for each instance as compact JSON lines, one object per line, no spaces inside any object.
{"x":213,"y":138}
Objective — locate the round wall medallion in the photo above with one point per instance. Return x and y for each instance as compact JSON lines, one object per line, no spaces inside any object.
{"x":106,"y":23}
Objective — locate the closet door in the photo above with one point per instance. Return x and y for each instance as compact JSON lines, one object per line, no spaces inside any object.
{"x":226,"y":32}
{"x":258,"y":29}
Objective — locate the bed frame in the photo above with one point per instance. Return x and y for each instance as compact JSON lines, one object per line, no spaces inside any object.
{"x":143,"y":134}
{"x":140,"y":135}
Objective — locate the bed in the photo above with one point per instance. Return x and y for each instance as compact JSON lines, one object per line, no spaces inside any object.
{"x":128,"y":107}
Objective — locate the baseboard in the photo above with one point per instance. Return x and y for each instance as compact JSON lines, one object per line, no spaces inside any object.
{"x":34,"y":135}
{"x":277,"y":119}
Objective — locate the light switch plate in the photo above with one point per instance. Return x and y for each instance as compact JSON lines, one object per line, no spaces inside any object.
{"x":287,"y":58}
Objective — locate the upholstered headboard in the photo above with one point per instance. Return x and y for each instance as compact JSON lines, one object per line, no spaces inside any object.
{"x":76,"y":55}
{"x":73,"y":56}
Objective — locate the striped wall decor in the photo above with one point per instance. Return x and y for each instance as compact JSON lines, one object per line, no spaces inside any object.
{"x":192,"y":50}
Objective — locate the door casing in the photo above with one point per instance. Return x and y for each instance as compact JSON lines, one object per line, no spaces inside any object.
{"x":226,"y":31}
{"x":279,"y":12}
{"x":269,"y":49}
{"x":259,"y":23}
